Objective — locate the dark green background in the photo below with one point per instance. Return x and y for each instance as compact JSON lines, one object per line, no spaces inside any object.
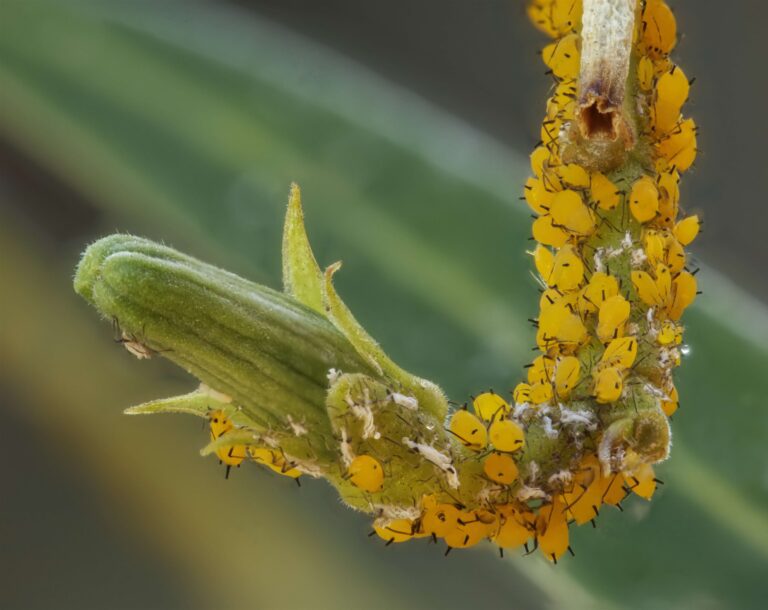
{"x":407,"y":125}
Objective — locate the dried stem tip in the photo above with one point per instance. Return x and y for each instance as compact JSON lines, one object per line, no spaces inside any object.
{"x":607,"y":28}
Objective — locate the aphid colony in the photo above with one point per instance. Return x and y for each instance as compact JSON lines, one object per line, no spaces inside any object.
{"x":590,"y":419}
{"x":610,"y":257}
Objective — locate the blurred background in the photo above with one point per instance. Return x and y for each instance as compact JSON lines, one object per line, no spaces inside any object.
{"x":408,"y":124}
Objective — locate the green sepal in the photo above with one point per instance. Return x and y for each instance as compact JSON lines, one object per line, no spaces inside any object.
{"x":429,"y":395}
{"x":195,"y":403}
{"x":302,"y":278}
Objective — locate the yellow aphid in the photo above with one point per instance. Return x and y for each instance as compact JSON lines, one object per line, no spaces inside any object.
{"x":567,"y":375}
{"x":397,"y":530}
{"x":262,"y":455}
{"x":490,"y":406}
{"x":654,"y":246}
{"x":569,"y":211}
{"x":539,"y":158}
{"x":654,"y":292}
{"x":573,"y":176}
{"x":544,"y":261}
{"x":274,"y":460}
{"x":220,"y":424}
{"x":439,"y":519}
{"x":551,"y":178}
{"x":620,"y":353}
{"x":663,"y":248}
{"x":366,"y":473}
{"x":684,"y":288}
{"x":469,"y":430}
{"x":559,"y":326}
{"x":538,"y":197}
{"x":500,"y":468}
{"x":551,"y":296}
{"x":613,"y":489}
{"x":670,"y":405}
{"x":645,"y":73}
{"x":564,"y":99}
{"x":550,"y":130}
{"x":583,"y":500}
{"x":604,"y":192}
{"x":613,"y":315}
{"x":670,"y":333}
{"x":669,"y":197}
{"x":471,"y":528}
{"x":678,"y":148}
{"x":542,"y":370}
{"x":552,"y":530}
{"x":646,"y":288}
{"x":515,"y":527}
{"x":644,"y":199}
{"x":609,"y":384}
{"x":539,"y":12}
{"x":563,"y":56}
{"x":565,"y":93}
{"x":541,"y":393}
{"x":672,"y":91}
{"x":641,"y":481}
{"x":555,"y":17}
{"x":545,"y":232}
{"x":522,"y":393}
{"x":284,"y":468}
{"x":600,"y":288}
{"x":675,"y":256}
{"x":568,"y":270}
{"x":506,"y":436}
{"x":687,"y":229}
{"x":664,"y":283}
{"x":659,"y":28}
{"x":565,"y":15}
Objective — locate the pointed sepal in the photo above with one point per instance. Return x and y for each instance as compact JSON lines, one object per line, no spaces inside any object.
{"x":302,"y":278}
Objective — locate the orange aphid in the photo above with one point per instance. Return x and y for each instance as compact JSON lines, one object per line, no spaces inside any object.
{"x":516,"y":527}
{"x":641,"y":481}
{"x":563,"y":56}
{"x":644,"y":199}
{"x":545,"y":232}
{"x":500,"y":468}
{"x":671,"y":93}
{"x":569,"y":211}
{"x":552,"y":529}
{"x":658,"y":28}
{"x":604,"y":192}
{"x":678,"y":148}
{"x":612,"y":317}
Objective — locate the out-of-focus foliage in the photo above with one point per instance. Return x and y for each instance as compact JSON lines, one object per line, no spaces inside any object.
{"x":187,"y":122}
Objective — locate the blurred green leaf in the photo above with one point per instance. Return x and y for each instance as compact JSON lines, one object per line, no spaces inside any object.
{"x":197,"y":121}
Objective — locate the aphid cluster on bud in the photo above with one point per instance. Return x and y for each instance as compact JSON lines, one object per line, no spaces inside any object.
{"x":587,"y":424}
{"x":234,"y":455}
{"x":610,"y":257}
{"x":611,"y":260}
